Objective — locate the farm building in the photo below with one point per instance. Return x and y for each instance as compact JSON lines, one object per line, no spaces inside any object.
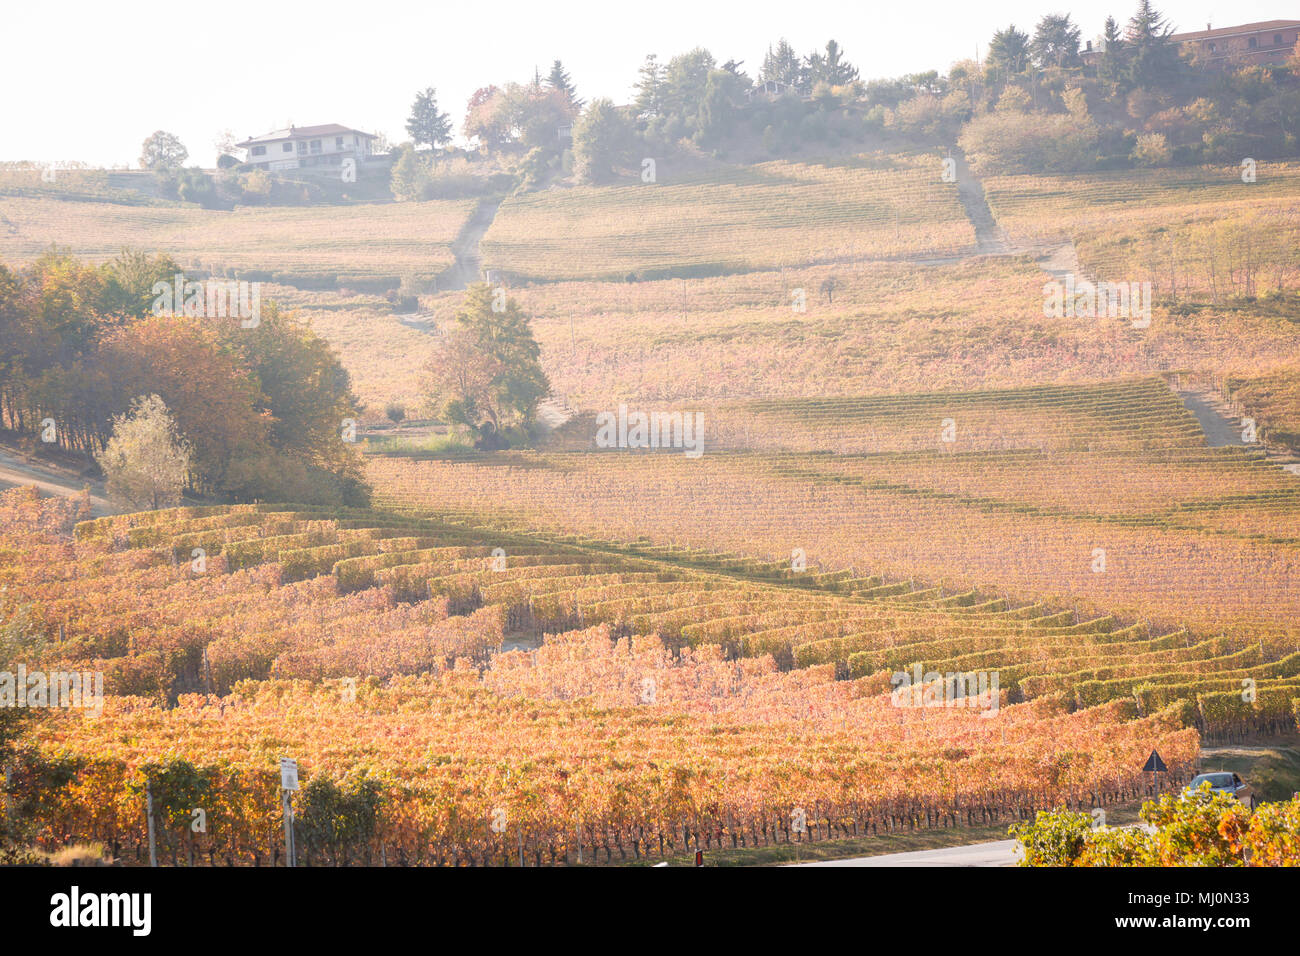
{"x":302,"y":146}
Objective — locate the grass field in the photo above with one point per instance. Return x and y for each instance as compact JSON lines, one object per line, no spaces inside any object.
{"x":732,"y":220}
{"x":358,"y":246}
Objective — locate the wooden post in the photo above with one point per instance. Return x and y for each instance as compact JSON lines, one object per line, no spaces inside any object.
{"x":148,"y":812}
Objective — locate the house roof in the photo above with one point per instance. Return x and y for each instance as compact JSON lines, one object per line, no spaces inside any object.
{"x":1261,"y":27}
{"x":303,"y":132}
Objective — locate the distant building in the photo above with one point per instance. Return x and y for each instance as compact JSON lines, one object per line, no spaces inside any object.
{"x":1269,"y":42}
{"x":301,"y":146}
{"x":770,"y":89}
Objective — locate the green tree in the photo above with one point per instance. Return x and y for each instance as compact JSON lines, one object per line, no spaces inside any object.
{"x":146,"y":462}
{"x":781,"y":65}
{"x":1055,"y":838}
{"x":830,"y":67}
{"x":1110,"y":67}
{"x":1009,"y":51}
{"x":409,"y":180}
{"x":602,"y":140}
{"x":487,"y":373}
{"x":130,"y":280}
{"x":427,"y":126}
{"x":334,"y":818}
{"x":560,"y":81}
{"x":163,"y":150}
{"x":1152,"y":58}
{"x":1055,"y":42}
{"x":650,"y":87}
{"x":685,"y":80}
{"x":718,"y":107}
{"x":306,"y":395}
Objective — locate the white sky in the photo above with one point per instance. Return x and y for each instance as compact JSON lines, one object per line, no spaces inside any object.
{"x":90,"y":80}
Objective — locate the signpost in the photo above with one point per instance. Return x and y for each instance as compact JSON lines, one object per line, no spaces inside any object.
{"x":1155,"y":766}
{"x":288,"y":784}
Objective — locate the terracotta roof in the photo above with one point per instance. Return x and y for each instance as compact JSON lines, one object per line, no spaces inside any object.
{"x":1262,"y":27}
{"x":303,"y":132}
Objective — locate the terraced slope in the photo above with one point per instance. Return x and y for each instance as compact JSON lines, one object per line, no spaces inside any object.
{"x":674,"y":715}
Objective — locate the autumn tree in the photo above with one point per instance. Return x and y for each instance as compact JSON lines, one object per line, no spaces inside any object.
{"x":146,"y":462}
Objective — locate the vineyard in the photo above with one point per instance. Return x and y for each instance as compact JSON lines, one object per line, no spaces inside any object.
{"x":1013,"y":492}
{"x":672,"y":698}
{"x":880,"y":328}
{"x":1201,"y":233}
{"x":735,"y":219}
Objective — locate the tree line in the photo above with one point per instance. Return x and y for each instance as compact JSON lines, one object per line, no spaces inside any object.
{"x":262,"y":410}
{"x":1038,"y":101}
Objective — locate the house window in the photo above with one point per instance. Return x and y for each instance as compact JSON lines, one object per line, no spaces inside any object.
{"x":1277,"y":39}
{"x":1211,"y":46}
{"x":315,"y":146}
{"x":338,"y":142}
{"x":1254,"y":42}
{"x":302,"y":146}
{"x":288,"y":147}
{"x":259,"y":150}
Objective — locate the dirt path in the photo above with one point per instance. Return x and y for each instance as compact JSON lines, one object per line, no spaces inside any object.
{"x":469,"y":266}
{"x":1225,"y":427}
{"x":1057,"y":260}
{"x":1221,"y":427}
{"x":15,"y":472}
{"x":989,"y":237}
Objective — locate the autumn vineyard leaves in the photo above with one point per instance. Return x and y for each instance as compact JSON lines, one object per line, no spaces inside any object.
{"x":679,"y":698}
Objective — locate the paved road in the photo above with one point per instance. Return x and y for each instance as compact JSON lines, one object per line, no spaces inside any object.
{"x":998,"y":853}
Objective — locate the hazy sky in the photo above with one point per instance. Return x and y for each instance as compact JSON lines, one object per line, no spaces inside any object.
{"x":90,"y":80}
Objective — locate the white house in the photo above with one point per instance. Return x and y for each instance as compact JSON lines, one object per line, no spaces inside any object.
{"x":300,"y":146}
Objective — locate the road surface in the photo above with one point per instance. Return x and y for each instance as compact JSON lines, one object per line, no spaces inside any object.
{"x":998,"y":853}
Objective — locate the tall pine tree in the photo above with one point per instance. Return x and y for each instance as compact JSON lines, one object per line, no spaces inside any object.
{"x":427,"y":126}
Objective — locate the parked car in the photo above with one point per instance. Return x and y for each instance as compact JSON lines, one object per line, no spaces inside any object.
{"x":1223,"y":781}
